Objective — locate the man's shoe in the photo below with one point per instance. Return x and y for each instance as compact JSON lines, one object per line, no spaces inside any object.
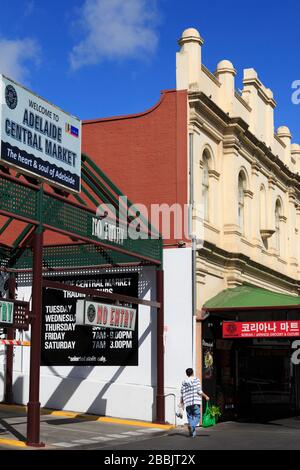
{"x":194,"y":433}
{"x":190,"y":430}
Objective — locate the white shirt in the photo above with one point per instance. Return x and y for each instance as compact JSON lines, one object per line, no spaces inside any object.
{"x":191,"y":391}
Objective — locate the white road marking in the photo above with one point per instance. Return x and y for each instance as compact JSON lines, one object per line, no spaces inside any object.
{"x":67,"y":428}
{"x":100,"y":438}
{"x":64,"y":444}
{"x":83,"y":441}
{"x":149,"y":430}
{"x":105,"y":438}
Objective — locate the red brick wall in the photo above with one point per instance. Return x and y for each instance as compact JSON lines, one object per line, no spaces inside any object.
{"x":145,"y":155}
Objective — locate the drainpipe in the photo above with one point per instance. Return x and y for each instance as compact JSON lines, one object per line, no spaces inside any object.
{"x":193,"y":238}
{"x":160,"y":387}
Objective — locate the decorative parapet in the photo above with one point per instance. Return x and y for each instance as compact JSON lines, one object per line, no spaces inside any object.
{"x":254,"y":104}
{"x":242,"y":101}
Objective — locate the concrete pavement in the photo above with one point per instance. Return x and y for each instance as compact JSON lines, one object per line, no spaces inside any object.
{"x":281,"y":434}
{"x":67,"y":430}
{"x":72,"y":431}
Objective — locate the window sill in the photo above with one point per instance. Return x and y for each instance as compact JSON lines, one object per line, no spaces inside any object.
{"x":209,"y":226}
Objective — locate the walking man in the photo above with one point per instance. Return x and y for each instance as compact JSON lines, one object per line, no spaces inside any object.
{"x":191,"y":399}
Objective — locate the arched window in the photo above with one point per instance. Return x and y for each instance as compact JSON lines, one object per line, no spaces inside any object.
{"x":263,"y":213}
{"x":278,"y":213}
{"x":241,"y":200}
{"x":205,"y":184}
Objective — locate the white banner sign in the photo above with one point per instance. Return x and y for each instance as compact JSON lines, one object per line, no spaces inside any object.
{"x":39,"y":138}
{"x":105,"y":315}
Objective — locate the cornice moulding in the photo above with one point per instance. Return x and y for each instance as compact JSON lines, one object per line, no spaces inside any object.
{"x":209,"y":226}
{"x":220,"y":257}
{"x":203,"y":105}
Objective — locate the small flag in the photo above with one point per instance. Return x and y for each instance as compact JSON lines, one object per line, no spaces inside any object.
{"x":72,"y":130}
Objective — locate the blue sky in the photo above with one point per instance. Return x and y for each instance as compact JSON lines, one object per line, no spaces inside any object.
{"x":98,"y":58}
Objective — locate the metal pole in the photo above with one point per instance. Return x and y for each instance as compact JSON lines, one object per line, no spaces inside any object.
{"x":9,"y":397}
{"x":160,"y":390}
{"x":193,"y":237}
{"x":33,"y":406}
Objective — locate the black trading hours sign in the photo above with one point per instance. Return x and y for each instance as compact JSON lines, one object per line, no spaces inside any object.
{"x":66,"y":344}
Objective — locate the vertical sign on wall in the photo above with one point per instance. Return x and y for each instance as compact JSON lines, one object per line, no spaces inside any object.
{"x":208,"y":358}
{"x":66,"y":344}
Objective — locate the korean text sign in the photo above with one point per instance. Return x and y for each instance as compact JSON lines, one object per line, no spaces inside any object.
{"x":261,"y":329}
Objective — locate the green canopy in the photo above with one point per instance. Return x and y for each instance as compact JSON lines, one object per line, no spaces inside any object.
{"x":250,"y":296}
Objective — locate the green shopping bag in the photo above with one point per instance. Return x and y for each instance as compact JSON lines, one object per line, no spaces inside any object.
{"x":208,"y":419}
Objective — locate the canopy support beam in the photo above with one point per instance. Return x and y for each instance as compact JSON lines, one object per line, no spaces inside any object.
{"x":100,"y":294}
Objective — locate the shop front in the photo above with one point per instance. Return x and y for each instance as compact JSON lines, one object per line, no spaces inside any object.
{"x":250,"y":354}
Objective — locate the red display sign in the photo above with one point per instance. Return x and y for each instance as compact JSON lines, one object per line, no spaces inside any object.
{"x":261,"y":329}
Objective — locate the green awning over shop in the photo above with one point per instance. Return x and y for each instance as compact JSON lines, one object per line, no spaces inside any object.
{"x":250,"y":296}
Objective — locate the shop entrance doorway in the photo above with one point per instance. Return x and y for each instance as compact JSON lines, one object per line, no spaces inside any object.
{"x":265,"y":380}
{"x":250,"y":379}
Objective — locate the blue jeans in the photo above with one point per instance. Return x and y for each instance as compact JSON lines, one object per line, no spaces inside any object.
{"x":193,"y":416}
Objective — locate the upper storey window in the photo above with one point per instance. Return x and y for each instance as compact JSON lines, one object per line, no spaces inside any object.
{"x":278,"y":214}
{"x":262,"y":215}
{"x":241,"y":201}
{"x":205,"y":183}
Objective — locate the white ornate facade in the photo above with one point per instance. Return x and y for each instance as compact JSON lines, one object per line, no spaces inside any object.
{"x":246,"y":176}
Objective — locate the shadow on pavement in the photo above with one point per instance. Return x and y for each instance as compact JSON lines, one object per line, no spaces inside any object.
{"x":186,"y":435}
{"x":284,"y":422}
{"x":9,"y":428}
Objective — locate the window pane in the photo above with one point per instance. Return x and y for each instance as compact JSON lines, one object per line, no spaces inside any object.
{"x":241,"y":203}
{"x":205,"y":188}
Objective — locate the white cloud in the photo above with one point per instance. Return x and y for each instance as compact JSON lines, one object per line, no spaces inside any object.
{"x":115,"y":29}
{"x":16,"y":57}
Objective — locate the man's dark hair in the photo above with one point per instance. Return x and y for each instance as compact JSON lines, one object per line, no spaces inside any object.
{"x":189,"y":372}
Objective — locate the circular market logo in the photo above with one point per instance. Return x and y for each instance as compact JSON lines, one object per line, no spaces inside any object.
{"x":11,"y":97}
{"x":231,"y":328}
{"x":91,"y":313}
